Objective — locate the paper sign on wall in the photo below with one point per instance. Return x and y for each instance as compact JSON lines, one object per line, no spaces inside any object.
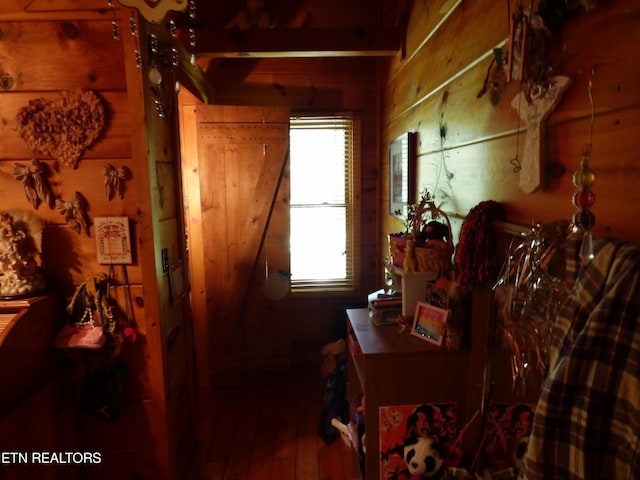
{"x":113,"y":240}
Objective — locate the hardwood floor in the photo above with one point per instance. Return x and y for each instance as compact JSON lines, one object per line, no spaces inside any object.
{"x":269,"y":432}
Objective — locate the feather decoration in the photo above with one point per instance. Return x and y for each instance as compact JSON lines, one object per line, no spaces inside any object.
{"x":75,"y":213}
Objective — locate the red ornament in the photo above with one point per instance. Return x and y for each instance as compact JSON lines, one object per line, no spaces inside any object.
{"x":584,"y":198}
{"x":130,"y":334}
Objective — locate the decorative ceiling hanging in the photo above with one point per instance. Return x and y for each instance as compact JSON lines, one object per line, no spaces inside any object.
{"x":162,"y":56}
{"x":155,"y":11}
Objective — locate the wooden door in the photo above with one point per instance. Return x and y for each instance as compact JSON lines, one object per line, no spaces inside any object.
{"x":239,"y":240}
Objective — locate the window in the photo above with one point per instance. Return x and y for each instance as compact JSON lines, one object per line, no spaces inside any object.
{"x":324,"y":168}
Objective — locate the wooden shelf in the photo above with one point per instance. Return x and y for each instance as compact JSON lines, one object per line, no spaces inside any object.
{"x":376,"y":340}
{"x":27,"y":355}
{"x":395,"y":368}
{"x":13,"y":310}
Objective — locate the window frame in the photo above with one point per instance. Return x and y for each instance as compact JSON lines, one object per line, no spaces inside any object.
{"x":353,"y":208}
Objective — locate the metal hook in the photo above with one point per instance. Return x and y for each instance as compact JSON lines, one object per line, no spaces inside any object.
{"x":593,"y":112}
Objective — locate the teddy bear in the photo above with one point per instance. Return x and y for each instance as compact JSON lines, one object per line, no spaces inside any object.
{"x":423,"y":460}
{"x":410,"y":263}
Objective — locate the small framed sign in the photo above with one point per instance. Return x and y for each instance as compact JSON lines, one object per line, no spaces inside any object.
{"x":429,"y":323}
{"x":401,"y":170}
{"x":113,"y":240}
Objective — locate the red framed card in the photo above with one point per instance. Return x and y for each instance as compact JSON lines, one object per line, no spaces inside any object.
{"x":429,"y":323}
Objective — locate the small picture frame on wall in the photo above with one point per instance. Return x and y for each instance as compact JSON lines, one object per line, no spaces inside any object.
{"x":402,"y":153}
{"x":429,"y":323}
{"x":113,"y":240}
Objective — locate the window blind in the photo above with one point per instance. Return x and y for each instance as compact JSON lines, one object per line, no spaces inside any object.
{"x":324,"y":169}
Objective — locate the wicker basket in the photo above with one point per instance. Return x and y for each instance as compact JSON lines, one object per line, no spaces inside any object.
{"x":435,"y":255}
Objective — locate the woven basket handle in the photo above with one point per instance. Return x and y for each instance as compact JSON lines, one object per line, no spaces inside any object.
{"x":435,"y":212}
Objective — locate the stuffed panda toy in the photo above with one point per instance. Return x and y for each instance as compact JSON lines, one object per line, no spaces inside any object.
{"x":520,"y":451}
{"x":423,"y":459}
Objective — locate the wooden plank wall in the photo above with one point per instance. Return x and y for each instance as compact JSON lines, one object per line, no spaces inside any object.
{"x":449,"y":48}
{"x":78,"y":54}
{"x":55,"y":47}
{"x":314,"y":85}
{"x":296,"y":14}
{"x":432,"y":87}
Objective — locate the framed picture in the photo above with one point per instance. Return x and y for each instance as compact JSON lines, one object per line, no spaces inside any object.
{"x":401,"y":171}
{"x":113,"y":240}
{"x":398,"y":423}
{"x":436,"y":296}
{"x":429,"y":323}
{"x":506,"y":434}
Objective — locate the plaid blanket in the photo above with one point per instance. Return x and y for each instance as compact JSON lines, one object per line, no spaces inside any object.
{"x":587,"y":422}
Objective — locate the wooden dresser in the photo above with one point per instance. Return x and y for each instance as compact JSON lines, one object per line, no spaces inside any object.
{"x":37,"y":410}
{"x":27,"y":355}
{"x":395,"y":368}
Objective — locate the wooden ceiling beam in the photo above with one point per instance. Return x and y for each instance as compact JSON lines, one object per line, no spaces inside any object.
{"x":288,"y":43}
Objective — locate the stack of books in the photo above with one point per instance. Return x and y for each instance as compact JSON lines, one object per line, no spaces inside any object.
{"x":385,"y":306}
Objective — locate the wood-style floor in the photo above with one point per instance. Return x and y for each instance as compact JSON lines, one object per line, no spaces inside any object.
{"x":269,"y":432}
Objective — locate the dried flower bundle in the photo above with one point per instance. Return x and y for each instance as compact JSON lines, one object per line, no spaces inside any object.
{"x":62,"y":128}
{"x":414,"y":221}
